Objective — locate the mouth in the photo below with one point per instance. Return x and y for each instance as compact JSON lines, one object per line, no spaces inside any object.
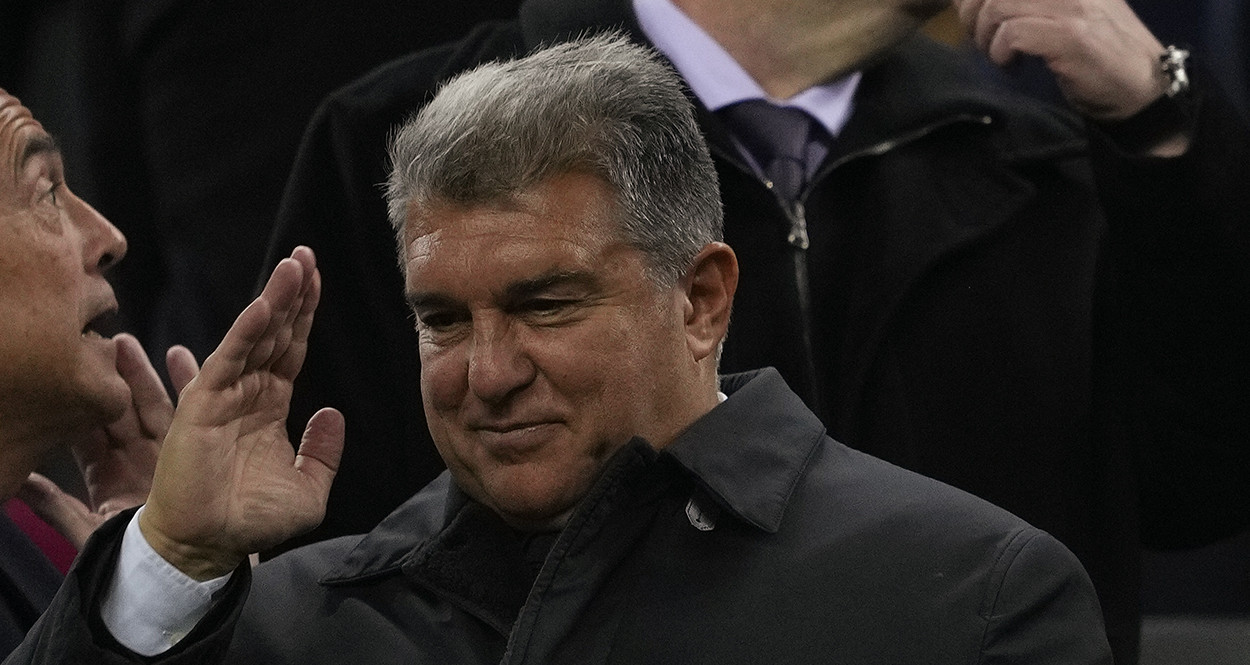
{"x":509,"y":427}
{"x":105,"y":324}
{"x":515,"y":439}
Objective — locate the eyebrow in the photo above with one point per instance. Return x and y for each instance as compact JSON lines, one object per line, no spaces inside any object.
{"x":514,"y":292}
{"x":530,"y":287}
{"x":43,"y":144}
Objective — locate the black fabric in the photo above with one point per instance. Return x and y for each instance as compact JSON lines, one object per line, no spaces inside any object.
{"x":1162,"y":119}
{"x":964,"y":295}
{"x":819,"y":554}
{"x":27,"y":584}
{"x":71,"y":630}
{"x":195,"y":113}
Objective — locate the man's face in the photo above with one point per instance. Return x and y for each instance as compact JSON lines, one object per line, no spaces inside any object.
{"x":543,"y":346}
{"x":55,"y":371}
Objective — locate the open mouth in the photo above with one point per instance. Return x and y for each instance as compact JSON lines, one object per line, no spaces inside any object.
{"x":105,"y":324}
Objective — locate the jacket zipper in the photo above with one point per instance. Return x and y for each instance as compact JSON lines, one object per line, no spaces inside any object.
{"x":798,"y":239}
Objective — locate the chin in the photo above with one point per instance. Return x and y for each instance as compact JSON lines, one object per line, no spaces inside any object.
{"x":103,"y":401}
{"x":532,"y":513}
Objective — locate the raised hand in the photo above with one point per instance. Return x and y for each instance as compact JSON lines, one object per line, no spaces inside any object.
{"x":1104,"y":58}
{"x":228,"y":482}
{"x":116,"y":461}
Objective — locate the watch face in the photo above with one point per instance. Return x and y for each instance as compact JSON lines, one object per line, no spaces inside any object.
{"x":1172,"y":63}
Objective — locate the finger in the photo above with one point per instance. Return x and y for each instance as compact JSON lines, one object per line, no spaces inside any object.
{"x":968,"y":10}
{"x":91,"y":454}
{"x":252,"y":330}
{"x":992,"y":15}
{"x":151,"y":401}
{"x":69,"y":516}
{"x":1030,"y":36}
{"x":292,"y":359}
{"x":182,"y":366}
{"x":290,"y":334}
{"x":275,"y":341}
{"x":321,"y":448}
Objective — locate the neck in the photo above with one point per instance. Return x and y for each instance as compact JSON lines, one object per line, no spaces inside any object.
{"x":788,"y":46}
{"x":18,"y":457}
{"x":24,"y":446}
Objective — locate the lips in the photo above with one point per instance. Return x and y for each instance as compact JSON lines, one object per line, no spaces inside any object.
{"x":511,"y":440}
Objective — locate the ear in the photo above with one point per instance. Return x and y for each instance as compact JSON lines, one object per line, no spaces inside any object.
{"x":709,"y":287}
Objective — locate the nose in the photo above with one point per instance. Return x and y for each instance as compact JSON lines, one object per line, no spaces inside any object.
{"x":498,"y":365}
{"x":104,"y":244}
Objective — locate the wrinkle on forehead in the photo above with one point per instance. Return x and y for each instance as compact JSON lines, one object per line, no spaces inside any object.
{"x":16,"y":124}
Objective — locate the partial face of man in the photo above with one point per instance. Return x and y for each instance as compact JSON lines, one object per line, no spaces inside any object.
{"x":54,"y":368}
{"x":543,"y":346}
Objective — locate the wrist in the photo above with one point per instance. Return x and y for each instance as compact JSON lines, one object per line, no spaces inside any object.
{"x":1161,"y":129}
{"x":1164,"y":126}
{"x":197,"y":562}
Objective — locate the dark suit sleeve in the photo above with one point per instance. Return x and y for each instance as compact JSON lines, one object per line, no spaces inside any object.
{"x":1174,"y":323}
{"x":1040,"y":607}
{"x":71,"y":631}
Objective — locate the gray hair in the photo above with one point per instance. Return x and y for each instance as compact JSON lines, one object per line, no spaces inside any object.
{"x":600,"y":105}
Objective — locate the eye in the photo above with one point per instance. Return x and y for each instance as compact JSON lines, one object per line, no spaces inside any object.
{"x":546,"y":306}
{"x":549,"y":311}
{"x":434,"y":320}
{"x":440,"y":326}
{"x":51,"y":193}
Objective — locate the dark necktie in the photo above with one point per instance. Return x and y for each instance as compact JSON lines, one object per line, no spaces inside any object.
{"x":779,"y":138}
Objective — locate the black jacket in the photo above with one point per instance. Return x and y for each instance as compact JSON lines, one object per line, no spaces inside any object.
{"x":27,"y":584}
{"x":752,"y":538}
{"x":988,"y":294}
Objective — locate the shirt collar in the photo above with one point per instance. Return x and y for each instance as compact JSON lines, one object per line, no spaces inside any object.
{"x":719,"y":81}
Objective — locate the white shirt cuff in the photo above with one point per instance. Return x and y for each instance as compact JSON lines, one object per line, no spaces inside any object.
{"x":150,"y":605}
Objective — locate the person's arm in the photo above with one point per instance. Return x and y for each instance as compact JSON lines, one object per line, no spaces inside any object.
{"x":150,"y":606}
{"x":1175,"y":324}
{"x":227,"y":483}
{"x":1173,"y":312}
{"x":1105,"y":60}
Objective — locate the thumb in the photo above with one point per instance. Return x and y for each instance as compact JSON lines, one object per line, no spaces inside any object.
{"x":181,"y":365}
{"x":69,"y":516}
{"x":321,"y":447}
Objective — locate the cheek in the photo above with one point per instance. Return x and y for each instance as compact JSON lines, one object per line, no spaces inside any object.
{"x":444,"y":379}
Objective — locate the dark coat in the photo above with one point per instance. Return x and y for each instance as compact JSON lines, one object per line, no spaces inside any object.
{"x":752,"y":538}
{"x":27,"y":583}
{"x":990,"y":295}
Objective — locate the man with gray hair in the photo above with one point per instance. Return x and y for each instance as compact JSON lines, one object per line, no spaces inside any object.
{"x":1033,"y":304}
{"x":610,"y":498}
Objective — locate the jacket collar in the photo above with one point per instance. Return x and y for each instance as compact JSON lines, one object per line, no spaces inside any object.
{"x":920,"y":85}
{"x":750,"y":450}
{"x":754,"y":482}
{"x":384,"y":549}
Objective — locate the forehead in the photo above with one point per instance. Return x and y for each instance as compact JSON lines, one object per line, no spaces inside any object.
{"x":568,"y":209}
{"x":21,"y":139}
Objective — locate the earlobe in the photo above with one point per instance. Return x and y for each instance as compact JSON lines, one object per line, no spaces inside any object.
{"x":709,"y":286}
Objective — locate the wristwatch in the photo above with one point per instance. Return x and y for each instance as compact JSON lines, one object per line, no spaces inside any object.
{"x":1172,"y":112}
{"x":1172,"y":64}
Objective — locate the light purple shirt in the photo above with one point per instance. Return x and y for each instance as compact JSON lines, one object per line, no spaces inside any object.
{"x":718,"y":80}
